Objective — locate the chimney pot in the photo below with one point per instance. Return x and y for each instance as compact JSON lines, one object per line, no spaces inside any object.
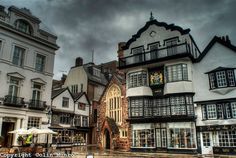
{"x":78,"y":61}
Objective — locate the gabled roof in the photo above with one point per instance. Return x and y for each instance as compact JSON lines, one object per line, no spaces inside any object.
{"x":57,"y":92}
{"x":89,"y":71}
{"x":220,"y":69}
{"x":77,"y":96}
{"x":212,"y":42}
{"x":112,"y":124}
{"x":171,"y":27}
{"x":118,"y":76}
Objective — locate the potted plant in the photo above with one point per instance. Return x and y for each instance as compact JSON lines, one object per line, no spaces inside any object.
{"x":20,"y":139}
{"x":1,"y":140}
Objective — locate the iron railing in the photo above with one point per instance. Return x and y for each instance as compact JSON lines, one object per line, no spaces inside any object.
{"x":37,"y":104}
{"x":152,"y":55}
{"x":14,"y":101}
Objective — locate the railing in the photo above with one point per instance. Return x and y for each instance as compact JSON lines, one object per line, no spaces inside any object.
{"x":14,"y":101}
{"x":161,"y":53}
{"x":37,"y":104}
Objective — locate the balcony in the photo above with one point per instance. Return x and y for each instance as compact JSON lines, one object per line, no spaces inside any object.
{"x":37,"y":105}
{"x":165,"y":53}
{"x":14,"y":101}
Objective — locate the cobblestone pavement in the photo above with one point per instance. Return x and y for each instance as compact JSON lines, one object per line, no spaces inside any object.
{"x":120,"y":154}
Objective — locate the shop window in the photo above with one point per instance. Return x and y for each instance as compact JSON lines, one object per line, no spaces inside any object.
{"x":143,"y":138}
{"x":33,"y":122}
{"x":181,"y":137}
{"x":227,"y":138}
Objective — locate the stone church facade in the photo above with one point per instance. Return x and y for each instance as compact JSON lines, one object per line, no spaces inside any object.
{"x":112,"y":116}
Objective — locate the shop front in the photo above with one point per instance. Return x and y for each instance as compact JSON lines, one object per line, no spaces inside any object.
{"x":171,"y":137}
{"x":217,"y":139}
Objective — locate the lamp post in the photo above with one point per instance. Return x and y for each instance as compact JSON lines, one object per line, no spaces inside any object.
{"x":49,"y":115}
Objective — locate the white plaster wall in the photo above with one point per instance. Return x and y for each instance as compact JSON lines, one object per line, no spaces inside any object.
{"x":57,"y":102}
{"x":77,"y":76}
{"x":217,"y":56}
{"x":139,"y":91}
{"x":161,"y":35}
{"x":85,"y":112}
{"x":28,"y":70}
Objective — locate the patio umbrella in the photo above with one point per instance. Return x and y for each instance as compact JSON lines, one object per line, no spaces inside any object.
{"x":34,"y":131}
{"x":20,"y":131}
{"x":47,"y":131}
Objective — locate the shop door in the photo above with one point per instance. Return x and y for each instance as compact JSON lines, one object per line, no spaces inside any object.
{"x":207,"y":144}
{"x":161,"y":140}
{"x":7,"y":127}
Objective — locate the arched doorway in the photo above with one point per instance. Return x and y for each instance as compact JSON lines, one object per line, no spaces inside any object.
{"x":107,"y":139}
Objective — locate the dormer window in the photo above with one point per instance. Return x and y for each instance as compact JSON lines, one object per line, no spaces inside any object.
{"x":23,"y":26}
{"x":221,"y":78}
{"x":96,"y":72}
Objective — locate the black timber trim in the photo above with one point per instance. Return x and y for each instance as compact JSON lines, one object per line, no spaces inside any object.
{"x":220,"y":69}
{"x":141,"y":46}
{"x":172,"y":38}
{"x":212,"y":42}
{"x":177,"y":56}
{"x":149,"y":44}
{"x":214,"y":101}
{"x":162,"y":119}
{"x":171,"y":27}
{"x":195,"y":43}
{"x":63,"y":90}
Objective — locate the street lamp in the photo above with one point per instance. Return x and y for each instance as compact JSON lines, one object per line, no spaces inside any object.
{"x":49,"y":115}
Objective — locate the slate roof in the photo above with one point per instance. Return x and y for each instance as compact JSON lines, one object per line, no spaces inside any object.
{"x":57,"y":92}
{"x":220,"y":69}
{"x":89,"y":70}
{"x":216,"y":39}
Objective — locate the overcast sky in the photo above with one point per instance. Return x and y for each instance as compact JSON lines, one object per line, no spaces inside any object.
{"x":86,"y":25}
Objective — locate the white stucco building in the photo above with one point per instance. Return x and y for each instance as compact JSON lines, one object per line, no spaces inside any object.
{"x":215,"y":97}
{"x":27,"y":54}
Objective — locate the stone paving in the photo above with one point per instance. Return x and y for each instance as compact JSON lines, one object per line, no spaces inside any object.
{"x":122,"y":154}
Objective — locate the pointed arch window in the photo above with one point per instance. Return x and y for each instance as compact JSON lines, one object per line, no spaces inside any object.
{"x":113,"y":103}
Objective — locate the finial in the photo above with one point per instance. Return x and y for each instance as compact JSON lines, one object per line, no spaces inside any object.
{"x":151,"y":17}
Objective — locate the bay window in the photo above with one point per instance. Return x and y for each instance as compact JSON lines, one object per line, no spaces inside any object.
{"x":137,"y":79}
{"x":177,"y":72}
{"x":169,"y":106}
{"x":222,"y":79}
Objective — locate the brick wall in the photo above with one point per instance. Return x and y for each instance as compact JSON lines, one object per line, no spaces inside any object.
{"x":117,"y":142}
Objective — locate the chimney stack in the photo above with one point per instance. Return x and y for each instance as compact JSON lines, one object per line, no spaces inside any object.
{"x":78,"y":61}
{"x":227,"y":39}
{"x":120,"y":50}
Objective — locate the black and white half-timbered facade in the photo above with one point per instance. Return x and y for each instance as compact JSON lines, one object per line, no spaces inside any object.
{"x":158,"y":62}
{"x":180,"y":99}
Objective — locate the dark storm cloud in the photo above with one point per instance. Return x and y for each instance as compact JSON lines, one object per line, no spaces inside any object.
{"x":86,"y":25}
